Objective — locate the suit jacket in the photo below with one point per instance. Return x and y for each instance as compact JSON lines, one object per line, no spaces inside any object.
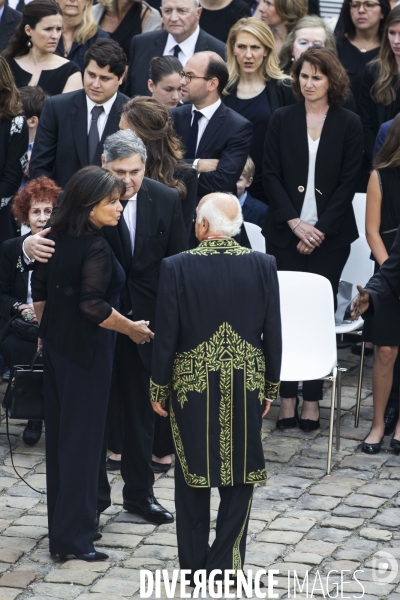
{"x":160,"y":232}
{"x":217,"y":355}
{"x":61,"y":143}
{"x":254,"y":211}
{"x":147,"y":45}
{"x":11,"y":18}
{"x":382,"y":135}
{"x":337,"y":169}
{"x":226,"y":137}
{"x":13,"y":278}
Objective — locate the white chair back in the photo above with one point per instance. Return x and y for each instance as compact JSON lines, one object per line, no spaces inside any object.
{"x":256,"y":238}
{"x":359,"y":207}
{"x":359,"y":267}
{"x":308,"y":326}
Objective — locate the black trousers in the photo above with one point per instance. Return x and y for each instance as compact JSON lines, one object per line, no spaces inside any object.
{"x":193,"y":525}
{"x":321,"y":262}
{"x":131,"y":385}
{"x":75,"y":408}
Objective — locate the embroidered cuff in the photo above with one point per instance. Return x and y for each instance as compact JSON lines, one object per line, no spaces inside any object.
{"x":272,"y":390}
{"x":159,"y":393}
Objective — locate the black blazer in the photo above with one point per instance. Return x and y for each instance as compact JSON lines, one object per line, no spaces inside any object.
{"x":226,"y":137}
{"x":279,"y":94}
{"x":61,"y":143}
{"x":10,"y":19}
{"x":160,"y":232}
{"x":13,"y":277}
{"x":285,"y":170}
{"x":254,"y":211}
{"x":147,"y":45}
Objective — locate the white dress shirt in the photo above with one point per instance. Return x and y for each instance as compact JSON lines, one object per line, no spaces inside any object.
{"x":187,"y":47}
{"x":309,"y":212}
{"x":102,"y":120}
{"x":129,"y":215}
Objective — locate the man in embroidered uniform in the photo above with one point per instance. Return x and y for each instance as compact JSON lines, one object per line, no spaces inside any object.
{"x":215,"y":367}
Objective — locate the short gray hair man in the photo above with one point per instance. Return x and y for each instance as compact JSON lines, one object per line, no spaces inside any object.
{"x":123,"y":144}
{"x":222,"y":212}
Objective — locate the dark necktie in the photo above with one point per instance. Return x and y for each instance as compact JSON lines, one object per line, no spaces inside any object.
{"x":191,"y":144}
{"x":93,"y":137}
{"x":124,"y":232}
{"x":176,"y":50}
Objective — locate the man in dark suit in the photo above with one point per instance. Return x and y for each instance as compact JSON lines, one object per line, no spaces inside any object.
{"x":181,"y":37}
{"x":73,"y":126}
{"x":9,"y":19}
{"x":216,"y":138}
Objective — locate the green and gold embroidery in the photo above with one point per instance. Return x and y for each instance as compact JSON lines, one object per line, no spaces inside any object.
{"x":190,"y":478}
{"x":159,"y":393}
{"x":227,"y":246}
{"x":272,"y":389}
{"x":257,"y":476}
{"x":236,"y":558}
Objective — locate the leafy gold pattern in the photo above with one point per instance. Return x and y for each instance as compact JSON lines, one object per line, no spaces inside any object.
{"x":159,"y":393}
{"x":227,"y":246}
{"x":190,"y":478}
{"x":257,"y":476}
{"x":272,"y":389}
{"x":236,"y":557}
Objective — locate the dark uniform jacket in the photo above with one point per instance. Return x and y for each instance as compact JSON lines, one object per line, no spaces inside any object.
{"x":217,"y":355}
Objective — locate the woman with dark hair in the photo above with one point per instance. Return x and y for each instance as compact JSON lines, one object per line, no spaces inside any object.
{"x":312,"y":157}
{"x":383,"y":329}
{"x":165,"y":80}
{"x":379,"y":99}
{"x":74,"y":298}
{"x":31,"y":51}
{"x":359,"y":42}
{"x":14,"y":140}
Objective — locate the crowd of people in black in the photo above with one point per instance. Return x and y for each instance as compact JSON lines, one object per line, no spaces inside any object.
{"x":120,"y":117}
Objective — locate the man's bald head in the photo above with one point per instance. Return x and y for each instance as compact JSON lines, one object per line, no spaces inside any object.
{"x":218,"y":214}
{"x":210,"y":65}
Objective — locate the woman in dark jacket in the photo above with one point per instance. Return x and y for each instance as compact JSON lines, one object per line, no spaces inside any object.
{"x":313,"y":153}
{"x":256,"y":85}
{"x":32,"y":206}
{"x":74,"y":297}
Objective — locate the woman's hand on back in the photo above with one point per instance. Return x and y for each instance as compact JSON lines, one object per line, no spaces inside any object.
{"x":140,"y":332}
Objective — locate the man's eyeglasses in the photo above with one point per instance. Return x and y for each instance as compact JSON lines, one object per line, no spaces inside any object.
{"x":368,"y":5}
{"x":189,"y":76}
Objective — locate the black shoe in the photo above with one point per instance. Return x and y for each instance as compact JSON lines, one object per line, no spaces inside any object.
{"x":113,"y":465}
{"x":290,"y":421}
{"x":371,"y":448}
{"x":97,"y":536}
{"x":150,"y":509}
{"x":32,"y":432}
{"x":395,"y":443}
{"x":160,"y":467}
{"x":308,"y":424}
{"x":92,"y":556}
{"x":391,"y":418}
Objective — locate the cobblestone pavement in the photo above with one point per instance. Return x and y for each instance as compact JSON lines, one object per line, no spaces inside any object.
{"x":302,"y":520}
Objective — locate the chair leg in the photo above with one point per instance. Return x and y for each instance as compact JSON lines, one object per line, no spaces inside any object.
{"x":359,"y":387}
{"x":330,"y":439}
{"x":338,"y":406}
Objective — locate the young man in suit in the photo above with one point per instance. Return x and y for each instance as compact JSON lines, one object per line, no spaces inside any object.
{"x":73,"y":126}
{"x":150,"y":229}
{"x":253,"y":210}
{"x":9,"y":19}
{"x":216,"y":138}
{"x":181,"y":37}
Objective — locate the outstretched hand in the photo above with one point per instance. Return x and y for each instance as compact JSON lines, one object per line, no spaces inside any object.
{"x":360,"y":303}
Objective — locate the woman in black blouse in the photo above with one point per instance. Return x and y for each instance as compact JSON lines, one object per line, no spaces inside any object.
{"x":74,"y":297}
{"x":30,"y":53}
{"x":256,"y":85}
{"x":14,"y":140}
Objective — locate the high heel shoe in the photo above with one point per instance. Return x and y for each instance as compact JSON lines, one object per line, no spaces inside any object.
{"x":309,"y":424}
{"x":289,"y":422}
{"x":369,"y":448}
{"x":395,"y":444}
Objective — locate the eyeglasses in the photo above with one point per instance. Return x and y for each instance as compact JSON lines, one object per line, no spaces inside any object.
{"x":368,"y":5}
{"x":188,"y":76}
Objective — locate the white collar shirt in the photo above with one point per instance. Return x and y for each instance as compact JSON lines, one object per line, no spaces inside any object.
{"x":207,"y":113}
{"x":102,"y":120}
{"x":186,"y":47}
{"x":129,"y":215}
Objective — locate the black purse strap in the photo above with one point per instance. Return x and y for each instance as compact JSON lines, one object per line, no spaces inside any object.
{"x":34,"y":359}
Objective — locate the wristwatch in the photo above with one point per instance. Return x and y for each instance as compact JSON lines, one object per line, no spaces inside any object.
{"x":16,"y":305}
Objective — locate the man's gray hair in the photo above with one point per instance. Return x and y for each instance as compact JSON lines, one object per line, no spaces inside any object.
{"x":123,"y":144}
{"x":195,"y":2}
{"x":218,"y":221}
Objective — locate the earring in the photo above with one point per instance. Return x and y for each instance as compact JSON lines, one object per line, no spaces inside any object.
{"x":29,"y":44}
{"x":91,"y":213}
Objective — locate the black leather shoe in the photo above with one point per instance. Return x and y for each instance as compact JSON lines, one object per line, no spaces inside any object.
{"x":391,"y":418}
{"x":32,"y":432}
{"x":97,"y":536}
{"x":92,"y":556}
{"x":290,"y":421}
{"x":395,"y":443}
{"x":113,"y":465}
{"x":371,"y":448}
{"x":150,"y":509}
{"x":308,"y":424}
{"x":160,"y":467}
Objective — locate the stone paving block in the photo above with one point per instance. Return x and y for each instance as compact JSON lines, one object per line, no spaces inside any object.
{"x":17,"y":502}
{"x":342,"y":523}
{"x":9,"y":593}
{"x":376,"y":534}
{"x":363,"y":462}
{"x":354,"y":512}
{"x":352,"y":473}
{"x":352,"y":433}
{"x":119,"y":587}
{"x":17,"y":580}
{"x":132,"y":528}
{"x":254,"y":526}
{"x":300,"y":525}
{"x":97,"y":567}
{"x":31,"y":521}
{"x":364,"y":501}
{"x":143,"y":563}
{"x":124,"y":573}
{"x":263,"y":514}
{"x":79,"y":576}
{"x":370,"y":575}
{"x":304,"y":557}
{"x":24,"y":491}
{"x":160,"y":552}
{"x":288,"y":481}
{"x":114,"y":540}
{"x":317,"y":502}
{"x":282,"y":537}
{"x":25,"y":531}
{"x":370,"y":587}
{"x":335,"y":491}
{"x":27,"y":566}
{"x":392,"y":473}
{"x":312,"y":463}
{"x":341,"y":565}
{"x":57,"y":590}
{"x":275,"y":493}
{"x":24,"y":544}
{"x":125,"y":517}
{"x":329,"y":534}
{"x":283,"y":568}
{"x":353,"y":482}
{"x":89,"y":596}
{"x":316,"y":546}
{"x":163,"y":539}
{"x":389,"y":517}
{"x":382,"y":490}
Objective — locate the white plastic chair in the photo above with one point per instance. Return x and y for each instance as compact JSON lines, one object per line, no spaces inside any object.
{"x":358,"y":270}
{"x":256,"y":238}
{"x":359,"y":207}
{"x":309,"y":352}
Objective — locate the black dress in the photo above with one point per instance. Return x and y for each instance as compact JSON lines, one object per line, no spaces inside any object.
{"x":354,"y":61}
{"x":383,"y":329}
{"x":52,"y":81}
{"x":130,"y":26}
{"x":218,"y":22}
{"x":78,"y":51}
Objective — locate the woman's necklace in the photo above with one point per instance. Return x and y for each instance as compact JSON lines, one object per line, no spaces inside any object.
{"x":311,"y":123}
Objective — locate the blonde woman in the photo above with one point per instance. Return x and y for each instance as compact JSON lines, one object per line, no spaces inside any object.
{"x":79,"y":30}
{"x":308,"y":31}
{"x":256,"y":85}
{"x":123,"y":19}
{"x":282,"y":16}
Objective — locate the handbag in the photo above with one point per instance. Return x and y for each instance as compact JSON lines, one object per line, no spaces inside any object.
{"x":24,"y":397}
{"x":25,"y":330}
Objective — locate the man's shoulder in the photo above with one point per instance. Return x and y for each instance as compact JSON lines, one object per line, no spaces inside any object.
{"x":64,"y":100}
{"x":209,"y":42}
{"x":233,"y":119}
{"x":11,"y":12}
{"x":183,"y":109}
{"x":146,"y":40}
{"x":159,"y":191}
